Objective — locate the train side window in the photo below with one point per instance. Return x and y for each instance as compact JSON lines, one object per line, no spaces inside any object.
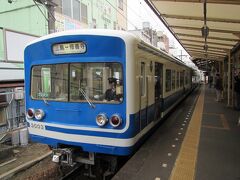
{"x":158,"y":80}
{"x":173,"y":79}
{"x":181,"y":78}
{"x":168,"y":79}
{"x":178,"y":79}
{"x":143,"y":79}
{"x":186,"y":78}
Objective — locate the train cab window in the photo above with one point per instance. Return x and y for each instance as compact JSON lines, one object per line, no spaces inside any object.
{"x":96,"y":82}
{"x":50,"y":82}
{"x":168,"y":79}
{"x":78,"y":82}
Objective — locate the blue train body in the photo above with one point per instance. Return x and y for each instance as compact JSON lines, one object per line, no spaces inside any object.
{"x":69,"y":120}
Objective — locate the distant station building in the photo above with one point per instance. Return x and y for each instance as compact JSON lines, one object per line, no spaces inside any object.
{"x":74,"y":14}
{"x":156,"y":38}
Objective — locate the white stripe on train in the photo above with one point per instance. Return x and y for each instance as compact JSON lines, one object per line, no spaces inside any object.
{"x":91,"y":139}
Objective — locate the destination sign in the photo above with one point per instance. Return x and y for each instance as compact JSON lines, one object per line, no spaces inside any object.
{"x":69,"y":48}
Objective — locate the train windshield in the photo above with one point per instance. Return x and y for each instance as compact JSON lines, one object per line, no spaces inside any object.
{"x":78,"y":82}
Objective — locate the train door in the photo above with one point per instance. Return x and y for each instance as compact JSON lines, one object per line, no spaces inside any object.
{"x":143,"y":92}
{"x":158,"y":90}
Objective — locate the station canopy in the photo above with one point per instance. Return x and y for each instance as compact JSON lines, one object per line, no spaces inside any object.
{"x":207,"y":29}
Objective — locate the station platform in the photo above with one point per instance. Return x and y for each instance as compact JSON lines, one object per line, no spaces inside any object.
{"x":199,"y":140}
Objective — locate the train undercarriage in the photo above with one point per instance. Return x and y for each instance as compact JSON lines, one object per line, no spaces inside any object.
{"x":99,"y":166}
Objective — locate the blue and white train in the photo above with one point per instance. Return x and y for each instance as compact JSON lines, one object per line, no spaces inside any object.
{"x":67,"y":76}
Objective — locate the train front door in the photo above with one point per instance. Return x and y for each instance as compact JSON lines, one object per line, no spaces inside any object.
{"x":158,"y":90}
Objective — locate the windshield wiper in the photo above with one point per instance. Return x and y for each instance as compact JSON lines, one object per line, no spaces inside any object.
{"x":44,"y":100}
{"x":87,"y":98}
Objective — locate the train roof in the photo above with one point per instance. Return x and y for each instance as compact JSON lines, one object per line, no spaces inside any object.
{"x":125,"y":35}
{"x":156,"y":51}
{"x":99,"y":32}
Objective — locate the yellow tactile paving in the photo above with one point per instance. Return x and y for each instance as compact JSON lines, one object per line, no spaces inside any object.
{"x":184,"y":168}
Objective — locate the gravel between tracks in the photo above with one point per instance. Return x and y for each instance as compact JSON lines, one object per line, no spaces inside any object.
{"x":44,"y":169}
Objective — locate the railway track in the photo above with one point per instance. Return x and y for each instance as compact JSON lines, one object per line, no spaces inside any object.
{"x":73,"y":173}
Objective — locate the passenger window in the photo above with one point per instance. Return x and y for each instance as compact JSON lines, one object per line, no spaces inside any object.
{"x":142,"y":79}
{"x":181,"y":78}
{"x":178,"y":79}
{"x":173,"y":79}
{"x":186,"y":77}
{"x":168,"y":79}
{"x":158,"y":80}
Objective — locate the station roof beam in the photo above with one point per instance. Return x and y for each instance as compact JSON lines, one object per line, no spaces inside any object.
{"x":186,"y":19}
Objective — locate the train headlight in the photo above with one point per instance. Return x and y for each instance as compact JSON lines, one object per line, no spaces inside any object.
{"x":39,"y":114}
{"x":30,"y":113}
{"x":115,"y":120}
{"x":101,"y":119}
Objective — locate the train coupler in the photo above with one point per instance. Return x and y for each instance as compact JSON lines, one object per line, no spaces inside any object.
{"x":70,"y":156}
{"x":63,"y":156}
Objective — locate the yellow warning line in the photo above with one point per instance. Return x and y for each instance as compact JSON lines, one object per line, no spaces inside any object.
{"x":184,"y":168}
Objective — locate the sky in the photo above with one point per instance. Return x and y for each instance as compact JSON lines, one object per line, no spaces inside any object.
{"x":139,"y":11}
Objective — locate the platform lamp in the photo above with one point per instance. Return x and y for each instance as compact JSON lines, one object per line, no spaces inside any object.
{"x":205,"y":31}
{"x":205,"y":47}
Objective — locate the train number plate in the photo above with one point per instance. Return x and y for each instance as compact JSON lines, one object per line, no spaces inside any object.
{"x":37,"y":126}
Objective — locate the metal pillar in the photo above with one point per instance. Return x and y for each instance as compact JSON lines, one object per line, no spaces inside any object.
{"x":51,"y":19}
{"x":233,"y":81}
{"x":219,"y":68}
{"x":229,"y":79}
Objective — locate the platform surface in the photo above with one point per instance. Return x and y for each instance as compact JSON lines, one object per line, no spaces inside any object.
{"x":200,"y":140}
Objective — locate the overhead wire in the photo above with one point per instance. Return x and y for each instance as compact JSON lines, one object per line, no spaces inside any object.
{"x":153,"y":18}
{"x":146,"y":10}
{"x":121,"y":14}
{"x":133,"y":11}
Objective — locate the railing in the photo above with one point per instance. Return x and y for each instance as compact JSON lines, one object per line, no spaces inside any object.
{"x":12,"y":112}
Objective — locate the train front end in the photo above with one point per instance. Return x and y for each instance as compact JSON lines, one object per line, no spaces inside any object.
{"x":76,"y":95}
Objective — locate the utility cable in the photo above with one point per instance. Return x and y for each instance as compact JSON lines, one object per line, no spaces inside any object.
{"x":133,"y":11}
{"x":122,"y":14}
{"x":149,"y":13}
